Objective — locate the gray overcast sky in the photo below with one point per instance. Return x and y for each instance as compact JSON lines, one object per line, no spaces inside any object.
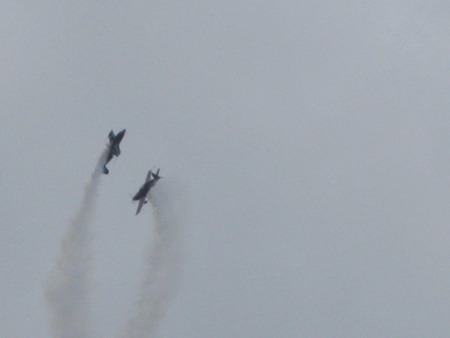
{"x":304,"y":144}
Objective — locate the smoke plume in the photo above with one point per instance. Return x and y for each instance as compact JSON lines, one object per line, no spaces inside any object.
{"x":67,"y":290}
{"x":162,"y":267}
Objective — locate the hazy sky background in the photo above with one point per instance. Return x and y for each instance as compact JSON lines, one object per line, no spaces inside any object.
{"x":306,"y":143}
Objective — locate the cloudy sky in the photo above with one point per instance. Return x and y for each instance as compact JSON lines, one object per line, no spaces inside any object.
{"x":304,"y":148}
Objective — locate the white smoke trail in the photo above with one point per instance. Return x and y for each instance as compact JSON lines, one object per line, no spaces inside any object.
{"x":68,"y":284}
{"x":162,"y":266}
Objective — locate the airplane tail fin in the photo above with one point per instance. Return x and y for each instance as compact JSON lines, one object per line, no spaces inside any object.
{"x":156,"y":176}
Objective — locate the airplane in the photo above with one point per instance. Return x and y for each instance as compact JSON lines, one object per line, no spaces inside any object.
{"x":114,"y":150}
{"x":141,"y":195}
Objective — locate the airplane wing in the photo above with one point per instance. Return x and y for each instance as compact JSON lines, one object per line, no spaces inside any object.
{"x":149,"y":175}
{"x":111,"y":136}
{"x":141,"y":203}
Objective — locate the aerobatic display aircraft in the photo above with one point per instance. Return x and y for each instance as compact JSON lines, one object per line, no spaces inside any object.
{"x":113,"y":150}
{"x":149,"y":183}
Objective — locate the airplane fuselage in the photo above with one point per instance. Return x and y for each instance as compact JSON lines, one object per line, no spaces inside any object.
{"x":144,"y":190}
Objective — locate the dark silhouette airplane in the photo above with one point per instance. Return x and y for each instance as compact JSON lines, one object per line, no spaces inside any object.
{"x":141,"y":195}
{"x":114,"y":150}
